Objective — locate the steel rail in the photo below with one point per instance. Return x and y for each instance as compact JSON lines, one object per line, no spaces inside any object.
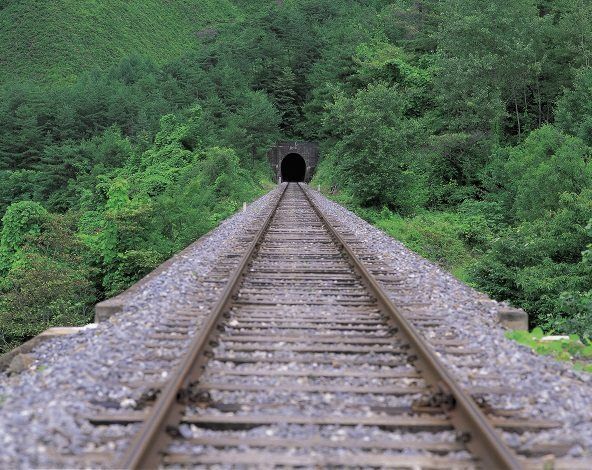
{"x":482,"y":438}
{"x":152,"y":437}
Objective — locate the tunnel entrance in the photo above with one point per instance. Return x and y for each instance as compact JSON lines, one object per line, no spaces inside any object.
{"x":293,"y":168}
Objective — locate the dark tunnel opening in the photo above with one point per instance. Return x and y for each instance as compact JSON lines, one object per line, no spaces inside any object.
{"x":293,"y":168}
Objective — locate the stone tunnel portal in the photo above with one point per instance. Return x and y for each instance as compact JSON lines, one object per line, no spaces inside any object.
{"x":290,"y":159}
{"x":293,"y":168}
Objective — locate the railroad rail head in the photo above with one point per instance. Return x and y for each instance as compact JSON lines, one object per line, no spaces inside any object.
{"x":157,"y":427}
{"x":481,"y":437}
{"x":143,"y":452}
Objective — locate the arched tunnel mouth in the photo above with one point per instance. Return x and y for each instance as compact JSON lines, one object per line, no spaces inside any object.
{"x":293,"y":168}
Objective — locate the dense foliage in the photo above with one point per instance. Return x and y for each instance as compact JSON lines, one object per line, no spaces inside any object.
{"x":56,"y":40}
{"x":463,"y":127}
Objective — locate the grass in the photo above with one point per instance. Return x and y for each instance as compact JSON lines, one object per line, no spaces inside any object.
{"x":55,"y":40}
{"x":570,"y":349}
{"x":455,"y":241}
{"x":451,"y":240}
{"x":440,"y":237}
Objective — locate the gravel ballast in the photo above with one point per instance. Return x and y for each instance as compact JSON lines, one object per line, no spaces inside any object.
{"x":109,"y":366}
{"x":545,"y":388}
{"x":112,"y":365}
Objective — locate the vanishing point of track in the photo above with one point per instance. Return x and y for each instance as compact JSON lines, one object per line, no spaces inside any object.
{"x":303,"y":315}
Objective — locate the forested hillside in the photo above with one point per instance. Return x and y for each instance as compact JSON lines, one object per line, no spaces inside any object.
{"x":50,"y":41}
{"x":462,"y":127}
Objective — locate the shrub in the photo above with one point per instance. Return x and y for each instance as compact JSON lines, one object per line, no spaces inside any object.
{"x":22,"y":222}
{"x":451,"y":240}
{"x":47,"y":282}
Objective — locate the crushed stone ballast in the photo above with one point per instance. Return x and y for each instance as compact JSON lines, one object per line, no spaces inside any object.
{"x":304,"y":368}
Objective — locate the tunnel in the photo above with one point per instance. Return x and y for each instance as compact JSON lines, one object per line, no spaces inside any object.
{"x":293,"y":168}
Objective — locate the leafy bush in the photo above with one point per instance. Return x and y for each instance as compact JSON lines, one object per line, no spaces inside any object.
{"x":575,"y":313}
{"x":22,"y":222}
{"x":571,"y":349}
{"x":40,"y":292}
{"x":574,"y":108}
{"x":451,"y":240}
{"x":161,"y":201}
{"x":46,"y":284}
{"x":373,"y":156}
{"x":533,"y":263}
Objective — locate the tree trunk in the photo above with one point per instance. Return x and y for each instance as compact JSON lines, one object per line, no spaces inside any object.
{"x":517,"y":117}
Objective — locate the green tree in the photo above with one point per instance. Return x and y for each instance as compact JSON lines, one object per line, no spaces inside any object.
{"x":43,"y":281}
{"x":253,"y":128}
{"x":574,"y":109}
{"x":487,"y":63}
{"x":531,"y":178}
{"x":375,"y":148}
{"x":21,"y":222}
{"x":283,"y":94}
{"x":534,"y":263}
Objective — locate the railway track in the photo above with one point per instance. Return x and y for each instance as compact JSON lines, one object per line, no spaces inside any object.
{"x":304,"y":361}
